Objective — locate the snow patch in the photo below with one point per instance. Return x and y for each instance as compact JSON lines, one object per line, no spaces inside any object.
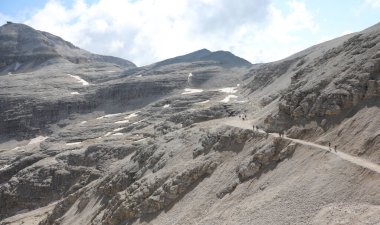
{"x":73,"y":143}
{"x":84,"y":83}
{"x":230,"y":90}
{"x":74,"y":93}
{"x":17,"y":66}
{"x":191,"y":91}
{"x":137,"y":122}
{"x":117,"y":134}
{"x":238,"y":85}
{"x":107,"y":134}
{"x":83,"y":122}
{"x":189,"y":77}
{"x":166,"y":106}
{"x":204,"y":102}
{"x":139,"y":76}
{"x":140,"y":140}
{"x":131,"y":115}
{"x":108,"y":116}
{"x":4,"y":167}
{"x":122,"y":121}
{"x":228,"y":98}
{"x":37,"y":140}
{"x":118,"y":129}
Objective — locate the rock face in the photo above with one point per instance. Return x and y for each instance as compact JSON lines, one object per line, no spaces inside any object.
{"x":336,"y":81}
{"x":23,"y":49}
{"x":88,"y":139}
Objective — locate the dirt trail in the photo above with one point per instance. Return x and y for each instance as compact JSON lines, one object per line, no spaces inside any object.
{"x":247,"y":124}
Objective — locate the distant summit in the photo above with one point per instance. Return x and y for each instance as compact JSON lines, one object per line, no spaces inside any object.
{"x":224,"y":58}
{"x":22,"y":47}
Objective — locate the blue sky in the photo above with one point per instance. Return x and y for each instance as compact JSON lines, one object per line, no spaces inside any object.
{"x":146,"y":31}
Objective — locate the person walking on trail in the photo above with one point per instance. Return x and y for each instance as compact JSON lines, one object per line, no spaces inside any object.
{"x":335,"y":147}
{"x":329,"y":146}
{"x":253,"y":127}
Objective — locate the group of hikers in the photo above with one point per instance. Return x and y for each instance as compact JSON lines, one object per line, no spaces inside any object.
{"x":280,"y":133}
{"x":334,"y":147}
{"x":243,"y":116}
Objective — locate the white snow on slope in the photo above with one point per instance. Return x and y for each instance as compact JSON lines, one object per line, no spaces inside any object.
{"x":228,"y":98}
{"x":84,"y":83}
{"x":230,"y":90}
{"x":117,"y":134}
{"x":83,"y":122}
{"x":131,"y":115}
{"x":189,"y":77}
{"x":204,"y":102}
{"x":122,"y":121}
{"x":17,"y":66}
{"x":74,"y":93}
{"x":140,"y":140}
{"x":107,"y":134}
{"x":191,"y":91}
{"x":37,"y":140}
{"x":4,"y":167}
{"x":137,"y":122}
{"x":108,"y":116}
{"x":118,"y":129}
{"x":166,"y":106}
{"x":73,"y":143}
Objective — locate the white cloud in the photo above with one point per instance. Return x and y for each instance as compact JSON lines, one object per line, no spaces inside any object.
{"x":373,"y":3}
{"x":145,"y":31}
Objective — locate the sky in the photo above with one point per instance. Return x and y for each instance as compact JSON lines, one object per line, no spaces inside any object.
{"x":147,"y":31}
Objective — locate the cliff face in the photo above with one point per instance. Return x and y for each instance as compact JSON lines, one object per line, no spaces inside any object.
{"x":184,"y":141}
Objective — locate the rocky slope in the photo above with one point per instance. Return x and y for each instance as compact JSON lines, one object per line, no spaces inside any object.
{"x":105,"y":143}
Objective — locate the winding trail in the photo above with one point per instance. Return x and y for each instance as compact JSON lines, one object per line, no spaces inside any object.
{"x":350,"y":158}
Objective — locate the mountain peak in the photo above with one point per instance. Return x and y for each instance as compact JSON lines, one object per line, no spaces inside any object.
{"x":225,"y":58}
{"x":21,"y":44}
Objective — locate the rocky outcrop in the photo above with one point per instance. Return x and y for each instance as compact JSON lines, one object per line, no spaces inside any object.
{"x":273,"y":153}
{"x":150,"y":196}
{"x":225,"y":139}
{"x":335,"y":82}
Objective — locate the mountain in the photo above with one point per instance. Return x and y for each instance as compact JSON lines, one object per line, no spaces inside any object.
{"x":224,"y":58}
{"x":193,"y":139}
{"x":24,"y":48}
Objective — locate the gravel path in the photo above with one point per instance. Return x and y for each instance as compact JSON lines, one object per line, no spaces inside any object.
{"x":353,"y":159}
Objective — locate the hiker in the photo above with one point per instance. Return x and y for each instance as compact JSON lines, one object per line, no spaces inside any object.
{"x":329,"y":146}
{"x":257,"y":127}
{"x":335,"y":147}
{"x":253,"y":127}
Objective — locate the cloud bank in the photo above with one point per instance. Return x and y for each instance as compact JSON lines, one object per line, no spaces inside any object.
{"x":146,"y":31}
